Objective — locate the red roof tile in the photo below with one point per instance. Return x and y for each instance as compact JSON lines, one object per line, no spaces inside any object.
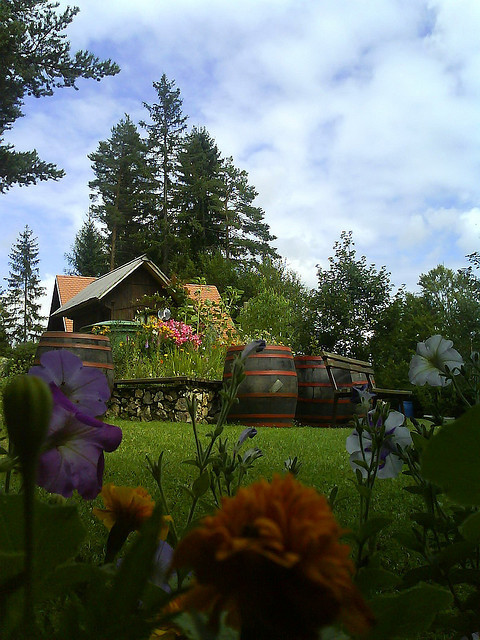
{"x":209,"y":292}
{"x":69,"y":286}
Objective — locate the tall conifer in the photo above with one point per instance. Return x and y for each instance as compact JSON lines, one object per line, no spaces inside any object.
{"x":88,"y":256}
{"x":23,"y":320}
{"x":165,"y":134}
{"x":122,"y":191}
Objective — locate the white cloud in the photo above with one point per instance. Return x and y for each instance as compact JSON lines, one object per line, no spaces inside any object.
{"x":346,"y":116}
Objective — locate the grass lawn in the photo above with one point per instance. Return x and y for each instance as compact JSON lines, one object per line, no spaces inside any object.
{"x":321,"y":451}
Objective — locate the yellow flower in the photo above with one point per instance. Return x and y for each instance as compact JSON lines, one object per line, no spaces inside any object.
{"x":271,"y":557}
{"x":129,"y":506}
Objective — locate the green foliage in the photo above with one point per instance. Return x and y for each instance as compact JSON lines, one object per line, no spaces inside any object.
{"x":23,"y":320}
{"x":275,"y":305}
{"x":87,"y":255}
{"x":246,"y":236}
{"x":122,"y":192}
{"x":199,"y":191}
{"x":269,"y":315}
{"x":349,"y":302}
{"x":456,"y":446}
{"x":36,"y":60}
{"x":165,"y":134}
{"x":132,"y":359}
{"x":20,"y":358}
{"x":452,"y":299}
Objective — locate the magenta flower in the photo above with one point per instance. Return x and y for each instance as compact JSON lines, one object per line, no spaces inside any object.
{"x":72,"y":455}
{"x":85,"y":387}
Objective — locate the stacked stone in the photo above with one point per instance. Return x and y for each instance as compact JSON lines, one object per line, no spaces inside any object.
{"x":140,"y":401}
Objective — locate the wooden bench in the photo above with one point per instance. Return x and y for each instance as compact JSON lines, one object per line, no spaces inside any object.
{"x":334,"y":361}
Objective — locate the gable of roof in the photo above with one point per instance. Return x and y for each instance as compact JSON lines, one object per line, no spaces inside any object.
{"x":100,"y":287}
{"x":69,"y":286}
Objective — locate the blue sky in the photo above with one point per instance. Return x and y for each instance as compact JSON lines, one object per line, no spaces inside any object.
{"x":346,"y":115}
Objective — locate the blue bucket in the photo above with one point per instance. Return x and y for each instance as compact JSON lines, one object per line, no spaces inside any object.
{"x":408,"y":409}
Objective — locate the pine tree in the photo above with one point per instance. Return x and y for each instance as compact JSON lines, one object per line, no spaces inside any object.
{"x":246,"y":235}
{"x":199,"y":194}
{"x":21,"y":299}
{"x":122,"y":191}
{"x":35,"y":60}
{"x":165,"y":135}
{"x":88,"y":256}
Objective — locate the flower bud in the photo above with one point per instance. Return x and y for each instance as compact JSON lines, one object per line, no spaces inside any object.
{"x":27,"y":406}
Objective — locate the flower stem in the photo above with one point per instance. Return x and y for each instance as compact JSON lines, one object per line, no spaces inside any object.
{"x":29,"y":514}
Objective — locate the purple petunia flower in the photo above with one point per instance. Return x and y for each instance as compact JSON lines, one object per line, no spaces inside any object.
{"x":390,"y":464}
{"x":85,"y":387}
{"x":72,"y":455}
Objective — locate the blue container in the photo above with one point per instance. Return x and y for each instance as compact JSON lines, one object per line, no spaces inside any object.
{"x":408,"y":409}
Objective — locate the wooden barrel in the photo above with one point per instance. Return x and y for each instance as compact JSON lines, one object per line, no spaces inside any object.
{"x":315,"y":393}
{"x":268,"y":395}
{"x":93,"y":351}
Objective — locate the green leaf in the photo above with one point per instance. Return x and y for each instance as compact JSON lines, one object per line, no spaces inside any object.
{"x":470,"y":528}
{"x":201,"y":484}
{"x":131,"y":578}
{"x":424,"y":519}
{"x":451,"y":458}
{"x":415,"y":489}
{"x":408,"y":613}
{"x":420,"y":574}
{"x":409,"y":540}
{"x":67,"y":576}
{"x":454,"y":553}
{"x":371,"y":527}
{"x":372,"y":580}
{"x":58,"y":531}
{"x":363,"y":490}
{"x":194,"y":463}
{"x":419,"y":441}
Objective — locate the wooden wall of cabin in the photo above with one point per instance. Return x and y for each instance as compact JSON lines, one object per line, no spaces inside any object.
{"x":95,"y":312}
{"x":123,"y":300}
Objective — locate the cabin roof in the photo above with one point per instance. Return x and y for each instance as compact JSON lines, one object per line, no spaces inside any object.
{"x":98,"y":288}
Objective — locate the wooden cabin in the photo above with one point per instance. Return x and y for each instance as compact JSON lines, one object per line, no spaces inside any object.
{"x":79,"y":301}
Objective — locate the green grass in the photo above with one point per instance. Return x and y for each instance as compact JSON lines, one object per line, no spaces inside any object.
{"x":321,"y":451}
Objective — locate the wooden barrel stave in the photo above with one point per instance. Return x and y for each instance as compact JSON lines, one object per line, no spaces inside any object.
{"x":315,"y":393}
{"x":260,"y":403}
{"x":93,"y":351}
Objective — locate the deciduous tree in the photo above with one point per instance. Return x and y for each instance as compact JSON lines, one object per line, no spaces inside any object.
{"x":349,"y":302}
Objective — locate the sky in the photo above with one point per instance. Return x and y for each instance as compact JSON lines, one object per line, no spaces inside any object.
{"x":347,"y":115}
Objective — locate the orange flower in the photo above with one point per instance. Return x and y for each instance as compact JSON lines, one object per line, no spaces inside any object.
{"x":125,"y":505}
{"x":272,"y":558}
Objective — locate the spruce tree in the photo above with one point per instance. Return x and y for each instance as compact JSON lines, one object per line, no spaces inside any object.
{"x":88,"y":256}
{"x":199,"y":194}
{"x":122,"y":192}
{"x":246,"y":235}
{"x":35,"y":60}
{"x":23,"y":320}
{"x":165,"y":134}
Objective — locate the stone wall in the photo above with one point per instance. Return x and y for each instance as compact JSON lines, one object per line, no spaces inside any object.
{"x":164,"y":399}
